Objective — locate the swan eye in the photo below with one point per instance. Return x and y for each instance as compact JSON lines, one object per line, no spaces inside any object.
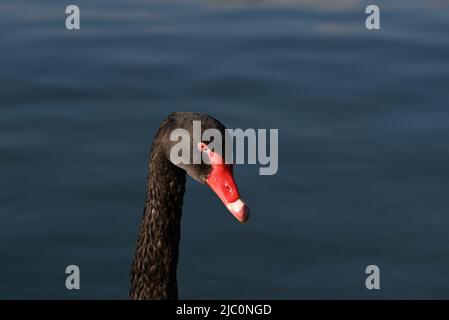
{"x":202,"y":146}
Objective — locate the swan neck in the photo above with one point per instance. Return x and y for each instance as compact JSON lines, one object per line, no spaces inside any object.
{"x":153,"y":274}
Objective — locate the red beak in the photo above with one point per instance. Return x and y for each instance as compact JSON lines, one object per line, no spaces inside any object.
{"x":221,"y":181}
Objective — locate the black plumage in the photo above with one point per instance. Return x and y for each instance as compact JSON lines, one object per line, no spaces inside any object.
{"x":153,"y":274}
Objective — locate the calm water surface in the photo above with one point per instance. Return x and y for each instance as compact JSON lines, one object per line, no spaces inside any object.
{"x":363,"y":119}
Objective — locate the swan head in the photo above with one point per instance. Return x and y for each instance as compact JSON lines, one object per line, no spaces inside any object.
{"x":196,"y":142}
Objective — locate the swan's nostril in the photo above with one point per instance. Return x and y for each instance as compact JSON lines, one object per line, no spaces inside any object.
{"x":228,"y":188}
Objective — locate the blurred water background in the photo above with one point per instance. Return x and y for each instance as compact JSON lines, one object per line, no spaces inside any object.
{"x":363,"y":120}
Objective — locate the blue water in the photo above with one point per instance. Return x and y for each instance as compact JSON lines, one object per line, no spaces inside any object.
{"x":363,"y":120}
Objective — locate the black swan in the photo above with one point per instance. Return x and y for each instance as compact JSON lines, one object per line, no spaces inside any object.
{"x":153,"y":273}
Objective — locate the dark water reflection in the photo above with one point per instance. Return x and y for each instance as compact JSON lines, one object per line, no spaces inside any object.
{"x":364,"y":126}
